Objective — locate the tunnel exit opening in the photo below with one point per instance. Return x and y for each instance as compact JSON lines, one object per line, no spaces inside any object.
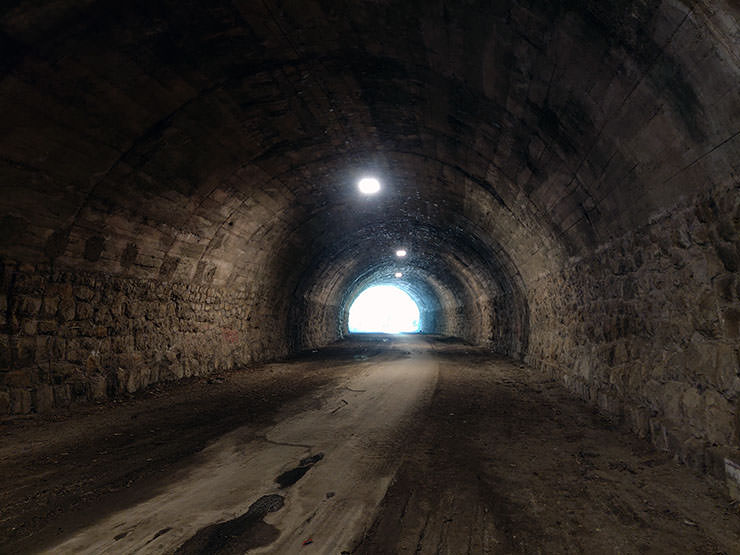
{"x":384,"y":309}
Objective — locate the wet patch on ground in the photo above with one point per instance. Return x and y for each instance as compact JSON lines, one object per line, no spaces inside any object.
{"x":237,"y":535}
{"x":290,"y":477}
{"x":162,"y":532}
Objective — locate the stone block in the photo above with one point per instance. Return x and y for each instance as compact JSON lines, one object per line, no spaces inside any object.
{"x":84,"y":311}
{"x":117,"y":309}
{"x":732,"y":476}
{"x":119,"y":378}
{"x":92,"y":363}
{"x":29,"y":280}
{"x":726,"y":287}
{"x":692,"y":455}
{"x":62,"y":372}
{"x":66,"y":310}
{"x":74,"y":352}
{"x":41,"y":348}
{"x":4,"y":352}
{"x":84,"y":328}
{"x":181,"y":370}
{"x":639,"y":419}
{"x":98,"y":387}
{"x":128,"y":378}
{"x":49,"y":307}
{"x":668,"y":396}
{"x":57,"y":348}
{"x":79,"y":390}
{"x":28,"y":306}
{"x":705,"y":316}
{"x":19,"y":378}
{"x":103,"y":317}
{"x":4,"y":402}
{"x":84,"y":293}
{"x":714,"y":461}
{"x":727,"y":253}
{"x":731,"y":320}
{"x":620,"y":353}
{"x":726,"y":229}
{"x":727,"y":365}
{"x":143,"y":342}
{"x":20,"y":401}
{"x":43,"y":398}
{"x":24,"y":351}
{"x":29,"y":326}
{"x":104,"y":348}
{"x":47,"y":327}
{"x":698,"y":358}
{"x":62,"y":395}
{"x":89,"y":344}
{"x":133,"y":309}
{"x":692,"y":405}
{"x":681,"y":237}
{"x":719,"y":420}
{"x":122,"y":344}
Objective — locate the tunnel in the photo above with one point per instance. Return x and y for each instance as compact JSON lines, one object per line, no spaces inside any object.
{"x":181,"y":209}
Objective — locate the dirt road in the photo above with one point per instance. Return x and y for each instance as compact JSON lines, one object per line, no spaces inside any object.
{"x":413,"y":444}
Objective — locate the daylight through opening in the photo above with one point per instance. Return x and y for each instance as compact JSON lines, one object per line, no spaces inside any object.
{"x":384,"y":309}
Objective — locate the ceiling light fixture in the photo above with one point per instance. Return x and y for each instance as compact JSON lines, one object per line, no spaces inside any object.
{"x":369,"y":185}
{"x":398,"y":274}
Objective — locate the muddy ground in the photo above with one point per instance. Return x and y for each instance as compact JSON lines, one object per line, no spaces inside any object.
{"x":410,"y":445}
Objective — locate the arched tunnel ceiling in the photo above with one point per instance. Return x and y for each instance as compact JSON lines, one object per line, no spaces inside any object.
{"x":458,"y":261}
{"x":444,"y":268}
{"x":220,"y":142}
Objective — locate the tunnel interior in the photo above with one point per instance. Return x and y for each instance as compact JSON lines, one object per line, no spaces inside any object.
{"x":179,"y":193}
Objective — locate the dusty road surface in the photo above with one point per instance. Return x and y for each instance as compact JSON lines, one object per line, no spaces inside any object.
{"x":409,"y":444}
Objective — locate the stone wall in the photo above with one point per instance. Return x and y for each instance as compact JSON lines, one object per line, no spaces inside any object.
{"x":647,"y":327}
{"x":67,"y":337}
{"x":313,"y":324}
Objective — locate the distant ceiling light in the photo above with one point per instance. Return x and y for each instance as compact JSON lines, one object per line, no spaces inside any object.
{"x":401,"y":253}
{"x":398,"y":274}
{"x":369,"y":185}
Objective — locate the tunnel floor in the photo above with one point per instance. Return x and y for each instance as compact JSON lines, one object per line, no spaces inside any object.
{"x":380,"y":444}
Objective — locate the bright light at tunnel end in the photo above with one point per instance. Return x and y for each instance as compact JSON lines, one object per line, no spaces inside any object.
{"x":401,"y":253}
{"x":384,"y":309}
{"x":369,"y":185}
{"x":398,"y":274}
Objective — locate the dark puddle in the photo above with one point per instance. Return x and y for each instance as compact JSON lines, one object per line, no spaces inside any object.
{"x":162,"y":532}
{"x":239,"y":534}
{"x":249,"y":530}
{"x":290,"y":477}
